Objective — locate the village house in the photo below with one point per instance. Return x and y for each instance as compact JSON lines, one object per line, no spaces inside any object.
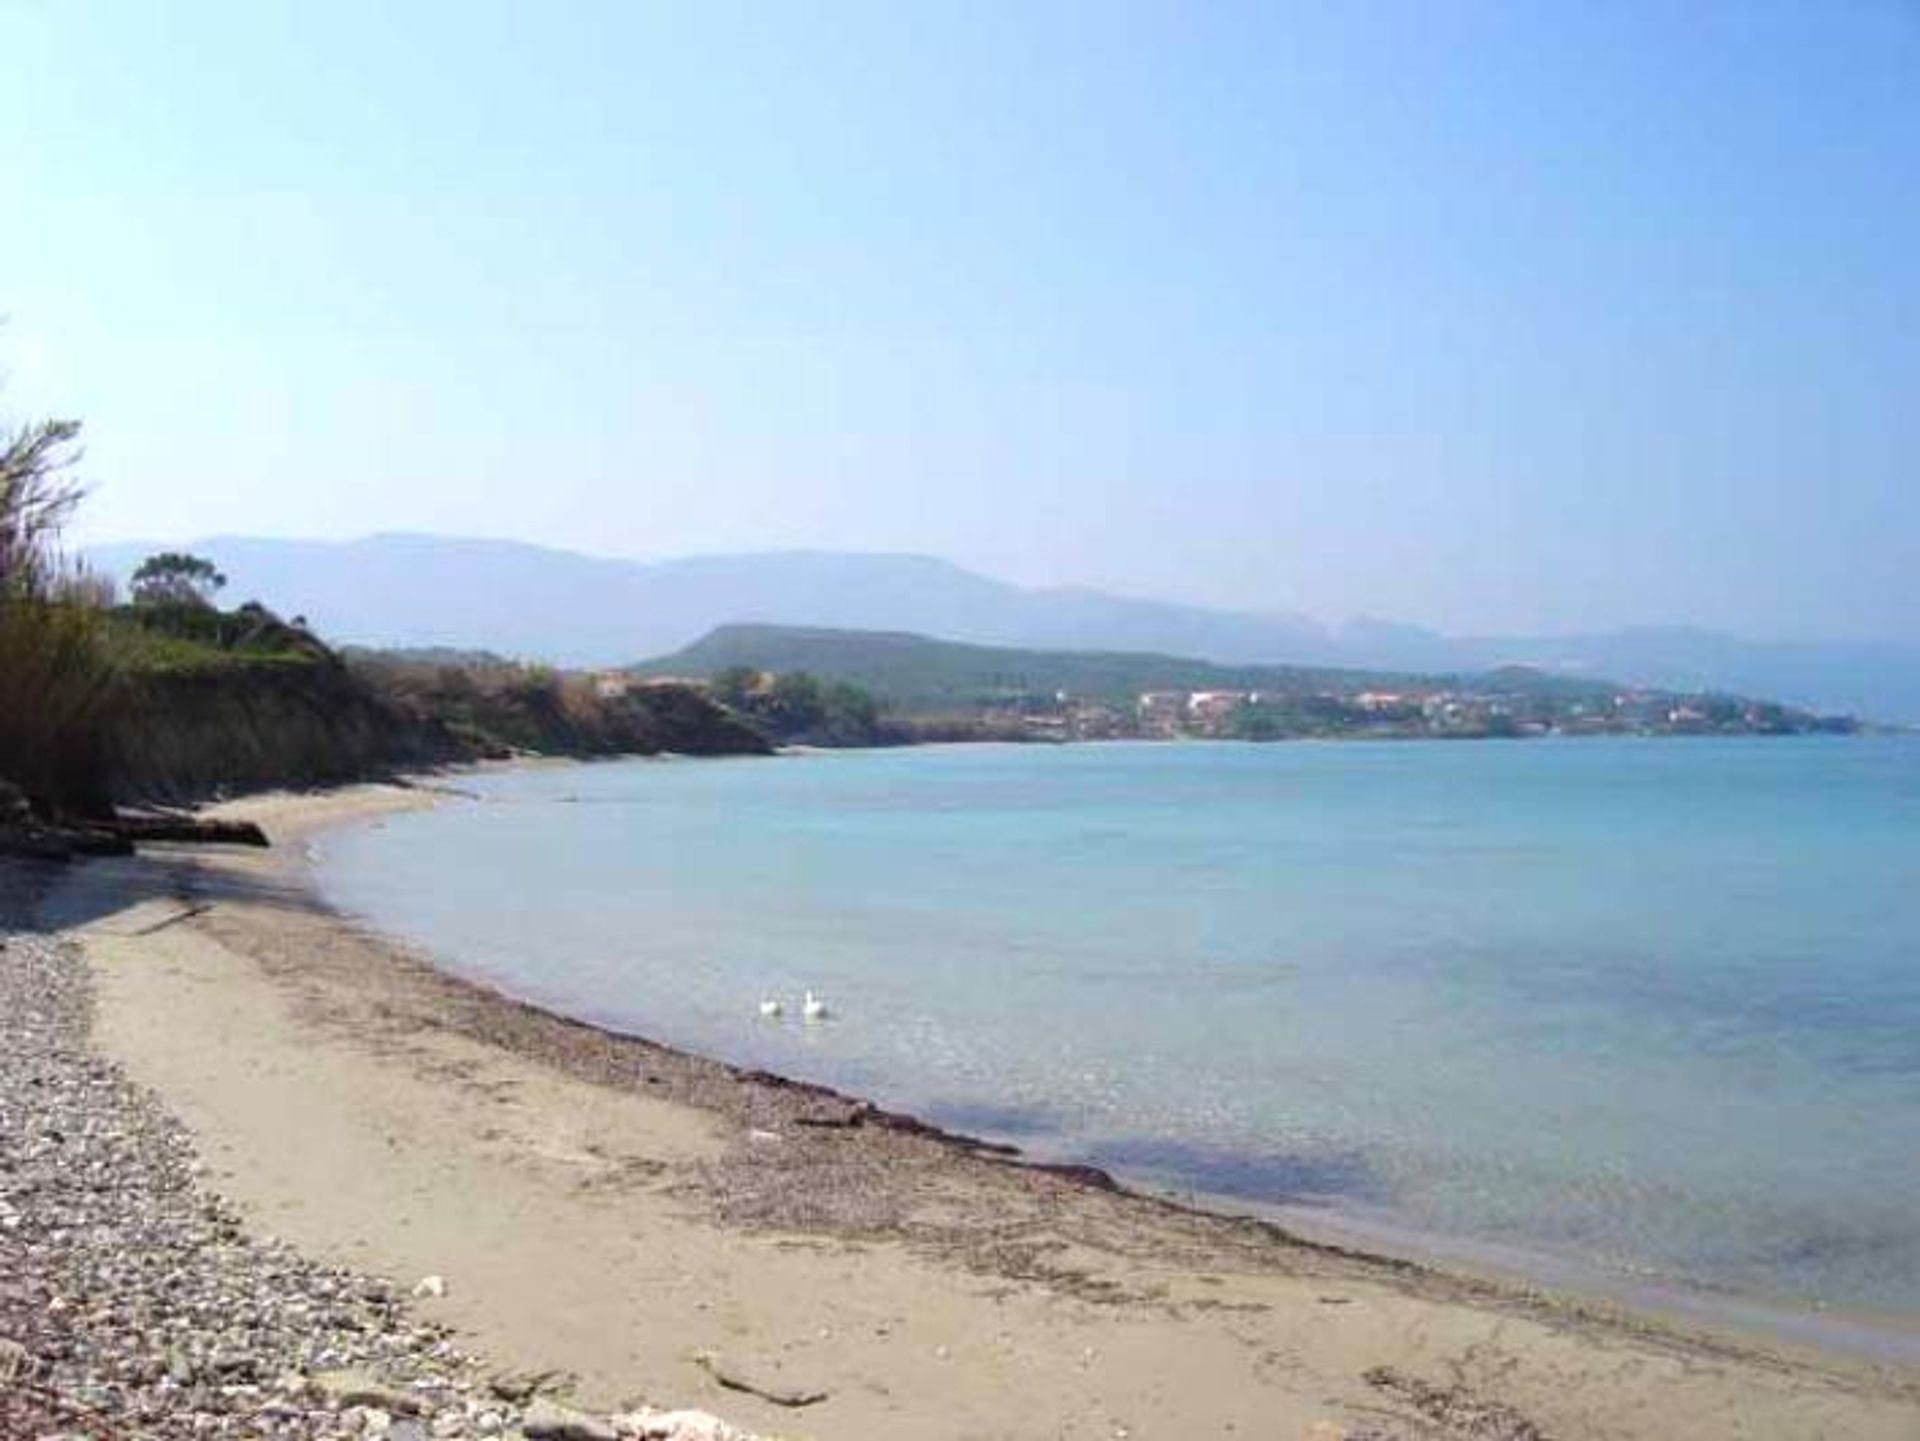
{"x":1161,"y":712}
{"x":1208,"y":711}
{"x":1213,"y":703}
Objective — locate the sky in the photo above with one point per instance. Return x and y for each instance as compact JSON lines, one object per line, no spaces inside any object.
{"x":1492,"y":317}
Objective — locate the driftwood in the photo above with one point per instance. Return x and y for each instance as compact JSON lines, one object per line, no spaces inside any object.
{"x":189,"y":829}
{"x":36,"y":841}
{"x":735,"y":1380}
{"x":41,"y":840}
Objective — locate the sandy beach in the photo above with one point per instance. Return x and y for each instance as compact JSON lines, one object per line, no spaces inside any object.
{"x":658,"y":1227}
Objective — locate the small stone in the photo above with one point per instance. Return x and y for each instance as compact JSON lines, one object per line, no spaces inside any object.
{"x":514,"y":1386}
{"x":358,"y":1388}
{"x":433,"y":1287}
{"x":647,"y":1424}
{"x":16,"y":1362}
{"x":548,"y":1421}
{"x":230,"y":1366}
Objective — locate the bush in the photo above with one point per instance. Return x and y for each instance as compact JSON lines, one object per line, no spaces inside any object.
{"x":56,"y":673}
{"x":56,"y":683}
{"x":798,"y":707}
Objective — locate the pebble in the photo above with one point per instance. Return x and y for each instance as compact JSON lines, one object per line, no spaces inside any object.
{"x":133,"y":1302}
{"x":651,"y":1425}
{"x":358,"y":1388}
{"x":548,"y":1421}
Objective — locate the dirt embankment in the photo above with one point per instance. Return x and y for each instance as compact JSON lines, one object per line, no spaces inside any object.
{"x":194,"y":734}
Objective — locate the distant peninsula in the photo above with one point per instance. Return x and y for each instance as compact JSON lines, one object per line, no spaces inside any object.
{"x":829,"y":686}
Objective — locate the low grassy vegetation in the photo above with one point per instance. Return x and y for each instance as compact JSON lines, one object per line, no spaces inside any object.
{"x":195,"y":636}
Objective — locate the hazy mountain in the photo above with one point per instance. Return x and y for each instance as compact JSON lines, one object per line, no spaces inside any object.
{"x":415,"y":590}
{"x":525,"y":600}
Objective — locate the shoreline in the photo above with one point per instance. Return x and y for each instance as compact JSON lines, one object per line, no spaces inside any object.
{"x":1844,"y":1332}
{"x":136,"y":1301}
{"x":1100,"y":1245}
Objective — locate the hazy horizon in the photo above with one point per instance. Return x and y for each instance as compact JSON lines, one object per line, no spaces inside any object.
{"x":1333,"y":622}
{"x":123,"y":553}
{"x":1489,"y":320}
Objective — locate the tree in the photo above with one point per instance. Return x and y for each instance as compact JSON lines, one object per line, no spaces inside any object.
{"x":850,"y":709}
{"x":795,"y":703}
{"x":175,"y":578}
{"x":35,"y":500}
{"x":735,"y":686}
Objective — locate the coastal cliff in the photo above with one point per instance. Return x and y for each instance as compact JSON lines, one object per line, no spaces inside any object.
{"x":185,"y":734}
{"x":186,"y":702}
{"x":180,"y":735}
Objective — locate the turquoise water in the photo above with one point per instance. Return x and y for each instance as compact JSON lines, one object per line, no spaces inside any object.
{"x":1646,"y":1006}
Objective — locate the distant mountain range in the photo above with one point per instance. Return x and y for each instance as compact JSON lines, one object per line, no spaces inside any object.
{"x":524,"y":600}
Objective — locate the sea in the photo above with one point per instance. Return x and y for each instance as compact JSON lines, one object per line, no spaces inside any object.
{"x":1642,"y":1011}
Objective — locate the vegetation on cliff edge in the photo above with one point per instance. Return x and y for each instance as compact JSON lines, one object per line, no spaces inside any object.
{"x":169,"y":697}
{"x":57,"y":675}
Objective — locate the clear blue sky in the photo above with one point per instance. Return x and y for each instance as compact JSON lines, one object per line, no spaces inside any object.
{"x":1515,"y":316}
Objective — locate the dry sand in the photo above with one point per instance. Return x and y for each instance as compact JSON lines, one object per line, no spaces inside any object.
{"x":649,"y":1221}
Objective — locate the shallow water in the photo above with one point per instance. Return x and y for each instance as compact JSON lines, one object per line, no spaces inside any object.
{"x":1646,"y":1006}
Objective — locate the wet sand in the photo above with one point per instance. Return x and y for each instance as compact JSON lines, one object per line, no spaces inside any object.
{"x":660,"y":1225}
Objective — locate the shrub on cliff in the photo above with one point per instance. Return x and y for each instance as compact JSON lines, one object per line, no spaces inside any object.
{"x":797,"y":707}
{"x":56,"y":673}
{"x":192,"y":635}
{"x":500,"y":706}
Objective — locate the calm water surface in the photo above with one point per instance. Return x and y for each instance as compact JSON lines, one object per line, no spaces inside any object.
{"x":1646,"y":1006}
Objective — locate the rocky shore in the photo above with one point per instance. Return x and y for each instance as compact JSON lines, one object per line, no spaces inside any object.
{"x":134,"y":1304}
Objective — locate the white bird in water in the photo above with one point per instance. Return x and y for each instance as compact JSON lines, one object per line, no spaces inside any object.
{"x":815,"y":1009}
{"x":771,"y":1008}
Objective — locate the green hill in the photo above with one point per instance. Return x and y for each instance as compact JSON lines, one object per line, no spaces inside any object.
{"x":918,"y":675}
